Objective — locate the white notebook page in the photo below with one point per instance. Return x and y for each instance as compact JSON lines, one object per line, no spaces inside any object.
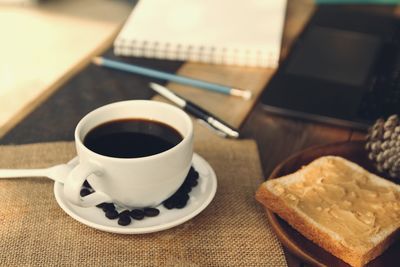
{"x":213,"y":31}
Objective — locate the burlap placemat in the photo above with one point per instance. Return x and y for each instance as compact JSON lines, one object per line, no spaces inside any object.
{"x":231,"y":231}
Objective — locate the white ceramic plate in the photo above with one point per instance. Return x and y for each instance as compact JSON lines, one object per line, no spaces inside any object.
{"x":200,"y":197}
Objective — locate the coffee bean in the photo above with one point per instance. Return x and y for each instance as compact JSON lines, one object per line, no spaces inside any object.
{"x":193,"y":183}
{"x":84,"y":192}
{"x":191,"y":179}
{"x":86,"y":184}
{"x":169,"y":204}
{"x":178,"y":200}
{"x":124,"y":213}
{"x":182,"y":201}
{"x":112,"y":214}
{"x":186,"y":184}
{"x":174,"y":198}
{"x":108,"y":206}
{"x":186,"y":190}
{"x":101,"y":205}
{"x":185,"y":187}
{"x":180,"y":204}
{"x":124,"y":220}
{"x":193,"y":174}
{"x":151,"y":212}
{"x":137,"y":214}
{"x":185,"y":197}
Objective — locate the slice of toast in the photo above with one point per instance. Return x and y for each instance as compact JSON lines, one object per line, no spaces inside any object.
{"x":348,"y":211}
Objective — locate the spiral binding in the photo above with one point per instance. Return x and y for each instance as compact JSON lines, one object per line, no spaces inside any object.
{"x":197,"y":53}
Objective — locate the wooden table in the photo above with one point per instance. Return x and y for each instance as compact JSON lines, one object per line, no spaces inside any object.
{"x":277,"y":137}
{"x":44,"y":44}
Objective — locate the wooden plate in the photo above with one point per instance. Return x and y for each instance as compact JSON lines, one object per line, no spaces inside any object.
{"x":301,"y":246}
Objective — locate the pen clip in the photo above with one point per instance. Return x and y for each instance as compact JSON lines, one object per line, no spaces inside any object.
{"x":218,"y":132}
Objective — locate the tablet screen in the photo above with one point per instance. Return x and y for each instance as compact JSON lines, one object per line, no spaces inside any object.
{"x":335,"y":55}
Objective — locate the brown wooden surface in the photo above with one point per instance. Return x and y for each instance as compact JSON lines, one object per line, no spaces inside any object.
{"x":277,"y":137}
{"x":49,"y":43}
{"x":18,"y":117}
{"x":231,"y":109}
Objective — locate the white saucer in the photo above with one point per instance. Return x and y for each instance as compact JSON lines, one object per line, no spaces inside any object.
{"x":200,"y":196}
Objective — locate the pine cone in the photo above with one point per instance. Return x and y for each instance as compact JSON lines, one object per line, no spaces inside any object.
{"x":383,"y":146}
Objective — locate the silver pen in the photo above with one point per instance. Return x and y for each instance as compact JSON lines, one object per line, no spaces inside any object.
{"x":193,"y":109}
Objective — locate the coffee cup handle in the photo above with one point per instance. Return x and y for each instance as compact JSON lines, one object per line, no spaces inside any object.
{"x":73,"y":185}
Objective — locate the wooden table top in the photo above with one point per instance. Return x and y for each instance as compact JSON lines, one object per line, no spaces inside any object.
{"x":277,"y":137}
{"x":40,"y":49}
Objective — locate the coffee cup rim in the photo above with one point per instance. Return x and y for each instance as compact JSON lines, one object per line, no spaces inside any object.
{"x":186,"y":138}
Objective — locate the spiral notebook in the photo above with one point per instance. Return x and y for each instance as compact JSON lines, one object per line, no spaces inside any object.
{"x":229,"y":32}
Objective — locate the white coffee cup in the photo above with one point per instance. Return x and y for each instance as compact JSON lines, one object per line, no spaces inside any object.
{"x":131,"y":182}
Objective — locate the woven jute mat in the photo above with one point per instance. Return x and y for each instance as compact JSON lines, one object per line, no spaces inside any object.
{"x":231,"y":231}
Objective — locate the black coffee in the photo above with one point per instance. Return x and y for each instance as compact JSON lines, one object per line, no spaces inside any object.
{"x":131,"y":138}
